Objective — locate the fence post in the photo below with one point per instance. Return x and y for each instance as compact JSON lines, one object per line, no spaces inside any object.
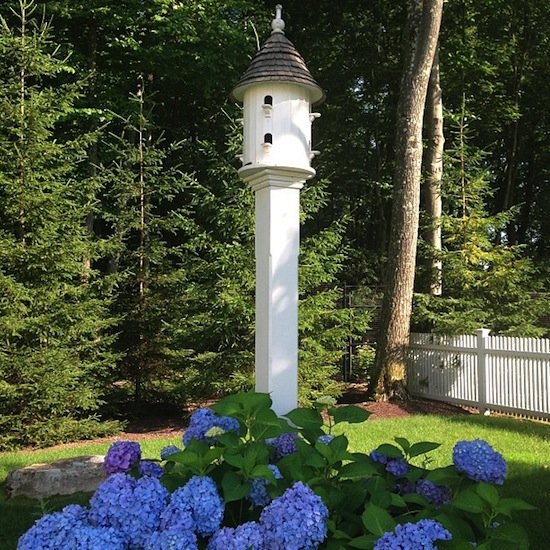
{"x":482,"y":335}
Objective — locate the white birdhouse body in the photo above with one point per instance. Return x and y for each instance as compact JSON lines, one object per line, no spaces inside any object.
{"x":277,"y":127}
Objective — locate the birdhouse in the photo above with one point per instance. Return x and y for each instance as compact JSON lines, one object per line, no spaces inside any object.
{"x":277,"y":92}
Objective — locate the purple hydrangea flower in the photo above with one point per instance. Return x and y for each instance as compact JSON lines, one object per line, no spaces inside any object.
{"x":294,"y":521}
{"x":244,"y":537}
{"x":197,"y":504}
{"x":437,"y":495}
{"x":52,"y":532}
{"x":284,"y":444}
{"x":396,"y":466}
{"x":421,"y":535}
{"x":121,"y":456}
{"x":203,"y":420}
{"x":325,"y":439}
{"x":258,"y":495}
{"x":379,"y":457}
{"x":479,"y":461}
{"x":165,"y":452}
{"x":175,"y":538}
{"x":130,"y":506}
{"x":151,"y":469}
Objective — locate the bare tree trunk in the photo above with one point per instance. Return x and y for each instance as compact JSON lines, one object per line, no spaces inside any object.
{"x":422,"y":33}
{"x":434,"y":174}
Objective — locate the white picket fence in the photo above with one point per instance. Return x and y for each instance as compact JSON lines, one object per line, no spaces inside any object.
{"x":492,"y":373}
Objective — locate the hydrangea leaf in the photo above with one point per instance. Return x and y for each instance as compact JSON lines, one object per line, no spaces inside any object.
{"x":234,"y":487}
{"x":422,"y":448}
{"x":377,"y":520}
{"x":364,"y":541}
{"x":305,"y":418}
{"x":353,"y":470}
{"x":512,"y":534}
{"x":488,"y":492}
{"x":469,"y":501}
{"x":507,"y":505}
{"x":349,"y":413}
{"x":390,"y":450}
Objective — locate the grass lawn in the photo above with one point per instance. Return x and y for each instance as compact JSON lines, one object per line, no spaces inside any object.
{"x":524,"y":444}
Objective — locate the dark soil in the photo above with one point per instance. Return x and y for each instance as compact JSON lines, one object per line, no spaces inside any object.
{"x":157,"y":426}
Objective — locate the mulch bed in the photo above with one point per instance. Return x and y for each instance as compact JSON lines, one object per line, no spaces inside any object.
{"x":159,"y":427}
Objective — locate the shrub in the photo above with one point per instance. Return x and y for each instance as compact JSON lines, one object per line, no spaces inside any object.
{"x":251,"y":479}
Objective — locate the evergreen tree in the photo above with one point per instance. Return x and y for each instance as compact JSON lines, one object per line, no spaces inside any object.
{"x":487,"y":282}
{"x":54,"y":353}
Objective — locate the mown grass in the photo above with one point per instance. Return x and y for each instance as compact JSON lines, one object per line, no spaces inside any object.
{"x":524,"y":444}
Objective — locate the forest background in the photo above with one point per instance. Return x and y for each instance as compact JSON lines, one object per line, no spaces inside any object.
{"x":126,"y":235}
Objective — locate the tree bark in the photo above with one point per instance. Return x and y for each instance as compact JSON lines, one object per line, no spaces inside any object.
{"x":424,"y":19}
{"x":434,"y":174}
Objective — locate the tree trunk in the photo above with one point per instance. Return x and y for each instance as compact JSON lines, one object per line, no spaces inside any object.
{"x":422,"y":33}
{"x":434,"y":174}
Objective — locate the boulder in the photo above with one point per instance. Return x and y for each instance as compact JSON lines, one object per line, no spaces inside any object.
{"x":62,"y":477}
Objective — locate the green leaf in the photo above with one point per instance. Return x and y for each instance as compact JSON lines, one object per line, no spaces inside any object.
{"x":305,"y":418}
{"x":489,"y":493}
{"x":422,"y":447}
{"x":506,"y":506}
{"x":377,"y":520}
{"x":470,"y":502}
{"x":364,"y":541}
{"x":403,"y":443}
{"x":349,"y":413}
{"x":234,"y":487}
{"x":512,"y":533}
{"x":390,"y":450}
{"x":444,"y":476}
{"x":357,"y":469}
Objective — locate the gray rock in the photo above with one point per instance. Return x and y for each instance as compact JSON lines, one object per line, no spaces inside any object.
{"x":62,"y":477}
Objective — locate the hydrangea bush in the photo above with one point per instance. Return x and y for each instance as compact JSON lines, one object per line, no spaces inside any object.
{"x":247,"y":479}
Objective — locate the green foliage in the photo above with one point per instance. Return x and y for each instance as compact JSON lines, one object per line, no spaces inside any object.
{"x":54,"y":348}
{"x":487,"y":282}
{"x":364,"y":496}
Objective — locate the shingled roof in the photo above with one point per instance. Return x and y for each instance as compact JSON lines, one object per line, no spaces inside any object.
{"x":278,"y":61}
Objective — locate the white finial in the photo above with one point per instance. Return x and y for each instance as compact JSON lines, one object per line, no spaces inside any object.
{"x":278,"y":25}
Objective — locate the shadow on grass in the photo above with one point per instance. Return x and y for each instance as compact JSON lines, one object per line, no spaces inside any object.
{"x":507,"y":424}
{"x":18,"y":514}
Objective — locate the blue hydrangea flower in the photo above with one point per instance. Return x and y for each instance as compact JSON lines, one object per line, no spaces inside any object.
{"x":244,"y":537}
{"x":198,"y":504}
{"x":325,"y":439}
{"x":418,"y":536}
{"x":294,"y":521}
{"x":175,"y":538}
{"x":165,"y":452}
{"x":203,"y":420}
{"x":130,"y":506}
{"x":284,"y":444}
{"x":52,"y":532}
{"x":97,"y":538}
{"x":479,"y":461}
{"x":178,"y":513}
{"x":121,"y":456}
{"x":149,"y":468}
{"x":258,"y":495}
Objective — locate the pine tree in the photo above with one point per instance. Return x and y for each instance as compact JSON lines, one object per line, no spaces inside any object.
{"x":487,"y":282}
{"x":53,"y":350}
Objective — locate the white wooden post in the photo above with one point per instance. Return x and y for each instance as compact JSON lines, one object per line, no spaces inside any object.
{"x":277,"y":92}
{"x":482,"y":335}
{"x":277,"y":245}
